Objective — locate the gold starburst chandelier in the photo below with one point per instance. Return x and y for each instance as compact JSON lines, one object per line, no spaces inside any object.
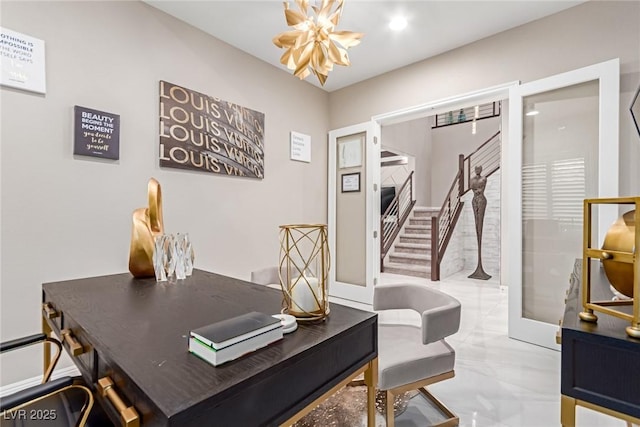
{"x":314,"y":43}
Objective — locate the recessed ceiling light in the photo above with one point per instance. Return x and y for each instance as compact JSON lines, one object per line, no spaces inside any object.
{"x":398,"y":23}
{"x":533,"y":113}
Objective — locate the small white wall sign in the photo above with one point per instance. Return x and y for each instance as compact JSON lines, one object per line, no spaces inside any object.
{"x":22,"y":61}
{"x":300,"y":147}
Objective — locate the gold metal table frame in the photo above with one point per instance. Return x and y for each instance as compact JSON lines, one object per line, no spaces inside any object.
{"x":609,"y":307}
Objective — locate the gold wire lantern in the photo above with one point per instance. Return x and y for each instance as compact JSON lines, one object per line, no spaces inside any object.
{"x":304,"y":270}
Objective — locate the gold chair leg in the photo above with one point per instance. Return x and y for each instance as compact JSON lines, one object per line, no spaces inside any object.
{"x":390,"y":412}
{"x":452,"y":421}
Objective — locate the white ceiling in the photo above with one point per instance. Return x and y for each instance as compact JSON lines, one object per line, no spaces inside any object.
{"x":434,"y":27}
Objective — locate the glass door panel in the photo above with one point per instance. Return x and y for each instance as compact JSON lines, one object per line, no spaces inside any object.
{"x":559,"y":170}
{"x":563,"y":148}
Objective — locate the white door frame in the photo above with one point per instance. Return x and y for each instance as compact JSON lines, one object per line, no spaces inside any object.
{"x":490,"y":94}
{"x":482,"y":96}
{"x":608,"y":74}
{"x":362,"y":294}
{"x":440,"y":106}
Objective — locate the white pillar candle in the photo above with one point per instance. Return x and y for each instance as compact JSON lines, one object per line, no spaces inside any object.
{"x":303,"y":294}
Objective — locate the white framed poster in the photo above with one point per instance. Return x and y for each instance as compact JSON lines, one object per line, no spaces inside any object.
{"x":300,"y":147}
{"x":350,"y":153}
{"x":22,"y":61}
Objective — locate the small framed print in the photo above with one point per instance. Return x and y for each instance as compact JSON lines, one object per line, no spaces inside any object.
{"x":351,"y":182}
{"x":96,"y":133}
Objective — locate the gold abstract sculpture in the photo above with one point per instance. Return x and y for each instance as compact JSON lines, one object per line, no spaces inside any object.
{"x":314,"y":43}
{"x":147,"y":223}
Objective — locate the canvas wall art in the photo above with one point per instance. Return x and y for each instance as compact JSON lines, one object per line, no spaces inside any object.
{"x":96,"y":133}
{"x":22,"y":61}
{"x":203,"y":133}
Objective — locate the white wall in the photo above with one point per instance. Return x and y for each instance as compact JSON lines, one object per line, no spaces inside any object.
{"x":396,"y":175}
{"x":66,"y":217}
{"x":414,"y":138}
{"x":448,"y":143}
{"x":586,"y":34}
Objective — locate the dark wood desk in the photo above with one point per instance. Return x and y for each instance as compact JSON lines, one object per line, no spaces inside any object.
{"x":135,"y":333}
{"x":600,"y":362}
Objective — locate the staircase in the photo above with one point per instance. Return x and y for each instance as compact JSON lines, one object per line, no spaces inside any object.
{"x":411,"y":255}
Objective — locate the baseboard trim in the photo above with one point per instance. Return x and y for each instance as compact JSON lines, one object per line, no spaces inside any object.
{"x":70,"y":371}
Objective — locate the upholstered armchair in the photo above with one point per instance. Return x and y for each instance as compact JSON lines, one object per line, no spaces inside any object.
{"x":266,"y":276}
{"x":412,"y":357}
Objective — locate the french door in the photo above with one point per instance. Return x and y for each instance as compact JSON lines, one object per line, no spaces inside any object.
{"x":354,"y":211}
{"x":563,"y":148}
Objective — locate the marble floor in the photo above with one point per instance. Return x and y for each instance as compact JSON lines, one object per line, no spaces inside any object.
{"x":499,"y":382}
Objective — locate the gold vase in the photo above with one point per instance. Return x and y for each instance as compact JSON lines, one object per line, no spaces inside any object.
{"x":147,"y":224}
{"x":621,"y":237}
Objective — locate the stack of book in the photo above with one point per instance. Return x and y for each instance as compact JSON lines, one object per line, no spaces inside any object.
{"x":231,"y":338}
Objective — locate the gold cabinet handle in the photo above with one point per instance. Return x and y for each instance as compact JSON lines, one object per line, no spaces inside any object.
{"x":74,"y":346}
{"x":128,"y":414}
{"x":49,"y":312}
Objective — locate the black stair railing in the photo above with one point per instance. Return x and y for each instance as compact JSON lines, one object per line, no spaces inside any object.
{"x":394,"y":217}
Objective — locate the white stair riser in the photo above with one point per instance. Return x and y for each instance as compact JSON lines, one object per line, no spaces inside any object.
{"x":402,"y":260}
{"x":421,"y":251}
{"x":424,"y":214}
{"x":414,"y":239}
{"x":406,"y":272}
{"x":411,"y":230}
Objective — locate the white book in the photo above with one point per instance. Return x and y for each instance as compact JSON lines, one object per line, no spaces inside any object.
{"x":232,"y":352}
{"x":235,"y":329}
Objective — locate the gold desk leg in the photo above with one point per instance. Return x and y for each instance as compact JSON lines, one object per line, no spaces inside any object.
{"x":46,"y":346}
{"x":371,"y":380}
{"x":370,"y":371}
{"x":567,"y":411}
